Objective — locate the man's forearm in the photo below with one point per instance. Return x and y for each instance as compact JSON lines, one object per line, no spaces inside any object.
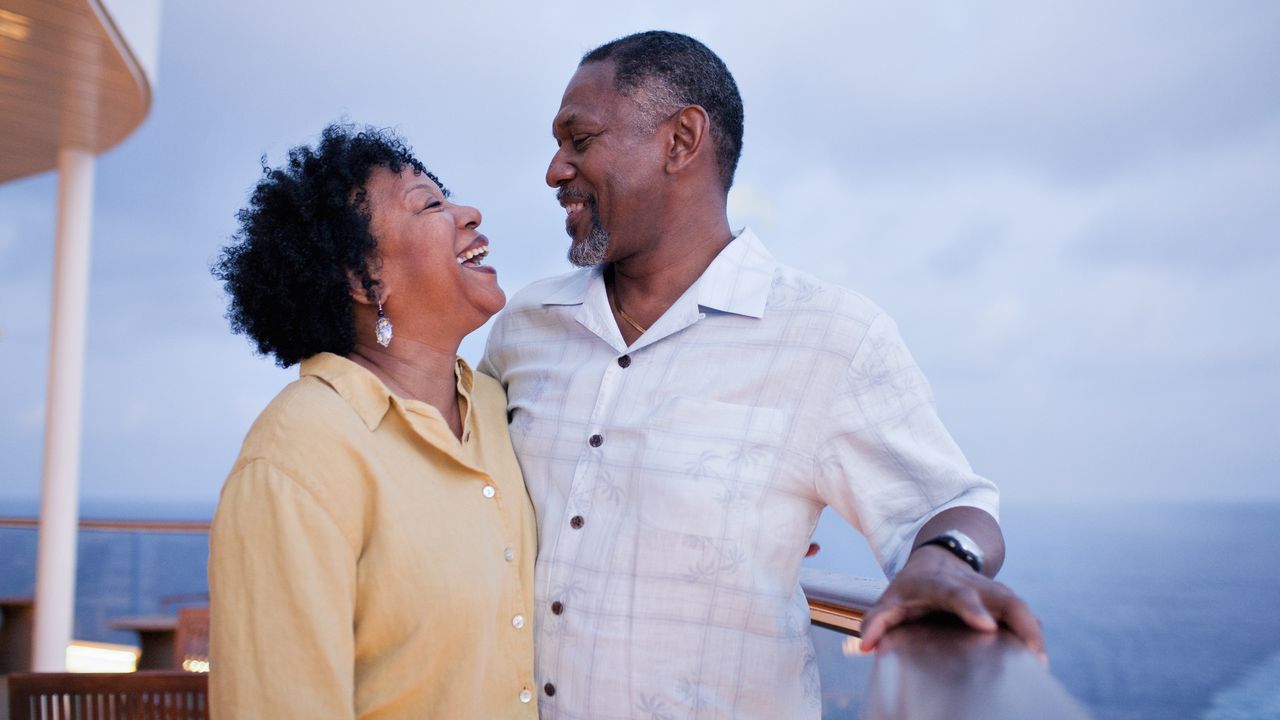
{"x":977,"y":524}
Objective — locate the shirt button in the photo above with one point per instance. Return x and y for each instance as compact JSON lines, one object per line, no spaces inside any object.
{"x":517,"y":622}
{"x":509,"y":554}
{"x":489,"y":491}
{"x":596,"y":440}
{"x":549,"y":689}
{"x":557,"y":607}
{"x":624,"y":361}
{"x":525,"y":696}
{"x":576,"y":522}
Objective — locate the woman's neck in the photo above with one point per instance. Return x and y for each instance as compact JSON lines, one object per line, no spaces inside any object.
{"x":418,"y":371}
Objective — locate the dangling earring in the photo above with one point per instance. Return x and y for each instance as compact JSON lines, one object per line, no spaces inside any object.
{"x":382,"y":328}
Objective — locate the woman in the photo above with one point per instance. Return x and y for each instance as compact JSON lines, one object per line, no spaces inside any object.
{"x":372,"y":553}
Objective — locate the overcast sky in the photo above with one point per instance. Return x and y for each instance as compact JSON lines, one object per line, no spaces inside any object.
{"x":1071,"y":208}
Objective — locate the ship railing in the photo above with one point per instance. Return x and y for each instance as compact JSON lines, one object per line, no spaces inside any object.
{"x":933,"y":668}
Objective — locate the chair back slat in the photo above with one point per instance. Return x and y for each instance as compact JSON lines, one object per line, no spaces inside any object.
{"x":158,"y":695}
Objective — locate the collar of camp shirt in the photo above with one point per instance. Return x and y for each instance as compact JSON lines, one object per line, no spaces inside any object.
{"x":737,"y":281}
{"x":370,"y":397}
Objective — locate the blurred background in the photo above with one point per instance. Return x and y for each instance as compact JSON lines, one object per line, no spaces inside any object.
{"x":1072,"y":209}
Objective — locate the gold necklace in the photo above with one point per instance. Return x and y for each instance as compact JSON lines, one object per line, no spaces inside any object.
{"x":613,"y":301}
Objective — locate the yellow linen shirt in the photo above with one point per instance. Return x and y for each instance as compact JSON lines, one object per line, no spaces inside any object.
{"x":366,"y":564}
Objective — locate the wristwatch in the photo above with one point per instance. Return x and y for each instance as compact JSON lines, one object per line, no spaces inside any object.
{"x":960,"y":545}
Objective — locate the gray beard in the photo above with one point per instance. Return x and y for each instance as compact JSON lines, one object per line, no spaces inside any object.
{"x":594,"y":249}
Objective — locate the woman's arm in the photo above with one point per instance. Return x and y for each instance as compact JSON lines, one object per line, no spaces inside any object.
{"x":282,"y":583}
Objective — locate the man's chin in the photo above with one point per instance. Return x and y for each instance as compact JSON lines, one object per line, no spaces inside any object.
{"x":583,"y":262}
{"x":590,"y":251}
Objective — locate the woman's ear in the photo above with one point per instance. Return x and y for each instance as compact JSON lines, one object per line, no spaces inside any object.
{"x":362,"y":296}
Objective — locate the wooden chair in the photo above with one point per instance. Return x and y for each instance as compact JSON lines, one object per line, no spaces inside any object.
{"x":158,"y":695}
{"x":191,"y":645}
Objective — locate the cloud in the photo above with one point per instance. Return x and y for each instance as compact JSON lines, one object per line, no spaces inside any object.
{"x":1067,"y":206}
{"x":1207,"y":211}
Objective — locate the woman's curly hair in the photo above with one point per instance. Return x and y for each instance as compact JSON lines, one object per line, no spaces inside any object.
{"x":303,"y":235}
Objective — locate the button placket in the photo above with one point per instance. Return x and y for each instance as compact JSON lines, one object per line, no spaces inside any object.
{"x":586,"y":469}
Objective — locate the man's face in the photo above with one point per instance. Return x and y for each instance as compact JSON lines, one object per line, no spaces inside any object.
{"x":604,"y":168}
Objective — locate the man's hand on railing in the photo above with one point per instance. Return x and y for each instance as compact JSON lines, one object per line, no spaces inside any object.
{"x":934,"y":580}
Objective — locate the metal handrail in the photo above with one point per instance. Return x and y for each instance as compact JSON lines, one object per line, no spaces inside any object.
{"x":839,"y":601}
{"x":177,"y":526}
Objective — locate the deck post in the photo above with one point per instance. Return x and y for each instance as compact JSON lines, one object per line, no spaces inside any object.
{"x":60,"y":492}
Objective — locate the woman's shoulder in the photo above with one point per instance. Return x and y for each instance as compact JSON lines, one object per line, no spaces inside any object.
{"x":307,"y":405}
{"x":488,"y":395}
{"x":304,"y":424}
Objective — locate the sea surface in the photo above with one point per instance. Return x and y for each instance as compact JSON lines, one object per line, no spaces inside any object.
{"x":1150,"y":612}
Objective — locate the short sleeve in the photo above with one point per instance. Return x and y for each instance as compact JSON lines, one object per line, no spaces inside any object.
{"x":888,"y":464}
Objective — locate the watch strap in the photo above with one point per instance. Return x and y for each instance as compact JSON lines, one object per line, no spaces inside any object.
{"x":959,"y":545}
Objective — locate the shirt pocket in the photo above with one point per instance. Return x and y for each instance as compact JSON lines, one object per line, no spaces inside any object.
{"x":707,"y":464}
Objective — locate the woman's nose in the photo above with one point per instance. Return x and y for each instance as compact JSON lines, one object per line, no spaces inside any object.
{"x":469,"y":217}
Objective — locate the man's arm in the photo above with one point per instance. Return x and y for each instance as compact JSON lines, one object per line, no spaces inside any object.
{"x":893,"y":471}
{"x":937,"y":580}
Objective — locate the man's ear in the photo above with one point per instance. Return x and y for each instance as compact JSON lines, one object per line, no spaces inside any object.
{"x":690,"y":135}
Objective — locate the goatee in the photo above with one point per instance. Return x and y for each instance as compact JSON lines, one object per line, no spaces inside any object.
{"x":594,"y":249}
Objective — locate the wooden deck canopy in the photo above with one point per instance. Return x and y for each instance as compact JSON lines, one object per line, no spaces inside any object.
{"x":67,"y":79}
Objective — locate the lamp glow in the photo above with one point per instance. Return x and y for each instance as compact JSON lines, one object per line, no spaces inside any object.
{"x":94,"y":657}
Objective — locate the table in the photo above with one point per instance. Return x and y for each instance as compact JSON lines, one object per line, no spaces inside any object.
{"x":156,"y":635}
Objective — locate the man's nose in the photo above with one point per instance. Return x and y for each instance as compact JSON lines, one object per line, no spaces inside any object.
{"x":559,"y":171}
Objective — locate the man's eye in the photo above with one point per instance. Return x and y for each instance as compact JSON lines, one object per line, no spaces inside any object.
{"x":580,"y":142}
{"x":432,"y":204}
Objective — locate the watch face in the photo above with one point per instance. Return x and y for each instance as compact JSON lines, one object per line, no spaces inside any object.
{"x":961,"y":546}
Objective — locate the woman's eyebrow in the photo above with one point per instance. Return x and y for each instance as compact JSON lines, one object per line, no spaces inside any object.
{"x":419,"y":186}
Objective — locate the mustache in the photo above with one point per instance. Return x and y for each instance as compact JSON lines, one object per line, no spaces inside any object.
{"x":565,"y":194}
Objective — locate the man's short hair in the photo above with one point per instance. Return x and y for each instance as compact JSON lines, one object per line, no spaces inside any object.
{"x":675,"y":70}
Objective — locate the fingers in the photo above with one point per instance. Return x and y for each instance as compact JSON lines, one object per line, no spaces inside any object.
{"x":1016,"y":616}
{"x":968,"y":605}
{"x":879,"y":621}
{"x":982,"y":604}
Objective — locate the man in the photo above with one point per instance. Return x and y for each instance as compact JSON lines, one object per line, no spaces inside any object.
{"x":684,"y":407}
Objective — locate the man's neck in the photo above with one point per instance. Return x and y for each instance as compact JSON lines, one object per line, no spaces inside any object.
{"x":418,"y":371}
{"x":646,"y":283}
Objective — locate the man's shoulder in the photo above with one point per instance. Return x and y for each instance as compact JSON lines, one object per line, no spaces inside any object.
{"x":567,"y":287}
{"x":530,"y":312}
{"x":796,"y":290}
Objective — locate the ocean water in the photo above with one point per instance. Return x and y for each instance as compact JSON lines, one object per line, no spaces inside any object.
{"x":1150,"y":613}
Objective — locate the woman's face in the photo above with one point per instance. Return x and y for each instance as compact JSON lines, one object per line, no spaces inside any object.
{"x":431,"y":253}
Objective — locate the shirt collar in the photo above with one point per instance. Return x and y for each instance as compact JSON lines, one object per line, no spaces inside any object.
{"x":573,"y":287}
{"x":737,"y":281}
{"x":363,"y":391}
